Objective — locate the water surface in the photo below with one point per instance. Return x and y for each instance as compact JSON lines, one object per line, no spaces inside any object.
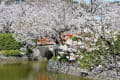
{"x":31,"y":71}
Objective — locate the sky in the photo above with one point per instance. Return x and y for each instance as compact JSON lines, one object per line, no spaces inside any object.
{"x":104,"y":0}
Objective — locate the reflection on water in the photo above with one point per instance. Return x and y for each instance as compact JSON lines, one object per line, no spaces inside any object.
{"x":31,"y":71}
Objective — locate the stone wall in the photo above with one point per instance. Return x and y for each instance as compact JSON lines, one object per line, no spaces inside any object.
{"x":74,"y":69}
{"x":66,"y":68}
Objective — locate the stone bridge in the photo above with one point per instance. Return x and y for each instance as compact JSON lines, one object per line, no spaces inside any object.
{"x":44,"y":51}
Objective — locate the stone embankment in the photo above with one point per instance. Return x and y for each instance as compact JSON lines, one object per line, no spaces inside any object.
{"x":37,"y":54}
{"x":97,"y":73}
{"x":11,"y":59}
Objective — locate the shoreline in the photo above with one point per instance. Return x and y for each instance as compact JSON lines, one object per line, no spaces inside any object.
{"x":11,"y":59}
{"x":68,"y":68}
{"x":75,"y":70}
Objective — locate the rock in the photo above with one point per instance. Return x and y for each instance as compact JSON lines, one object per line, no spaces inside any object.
{"x":22,"y":53}
{"x":119,"y":64}
{"x":98,"y":69}
{"x":24,"y":58}
{"x":97,"y":73}
{"x":108,"y":66}
{"x":83,"y":74}
{"x":22,"y":49}
{"x":36,"y":54}
{"x":66,"y":68}
{"x":2,"y":56}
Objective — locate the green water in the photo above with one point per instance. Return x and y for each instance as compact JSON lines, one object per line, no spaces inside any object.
{"x":31,"y":71}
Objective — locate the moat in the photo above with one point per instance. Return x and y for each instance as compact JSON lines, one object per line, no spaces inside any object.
{"x":31,"y":71}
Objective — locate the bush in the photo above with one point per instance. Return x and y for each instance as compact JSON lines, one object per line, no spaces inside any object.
{"x":91,"y":59}
{"x":54,"y":58}
{"x":102,"y":54}
{"x":29,"y":51}
{"x":10,"y":52}
{"x":7,"y":42}
{"x":75,"y":2}
{"x":116,"y":47}
{"x":74,"y":38}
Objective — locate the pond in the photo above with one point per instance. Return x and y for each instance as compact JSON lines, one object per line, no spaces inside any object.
{"x":31,"y":71}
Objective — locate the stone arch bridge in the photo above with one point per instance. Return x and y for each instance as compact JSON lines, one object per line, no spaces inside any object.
{"x":44,"y":51}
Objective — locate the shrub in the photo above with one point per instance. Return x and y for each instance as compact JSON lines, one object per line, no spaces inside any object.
{"x":91,"y":59}
{"x":29,"y":51}
{"x":61,"y":58}
{"x":10,"y":52}
{"x":102,"y":54}
{"x":74,"y":38}
{"x":117,"y":46}
{"x":75,"y":2}
{"x":54,"y":58}
{"x":7,"y":42}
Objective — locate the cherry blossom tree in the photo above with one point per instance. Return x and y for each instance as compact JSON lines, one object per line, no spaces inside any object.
{"x":31,"y":20}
